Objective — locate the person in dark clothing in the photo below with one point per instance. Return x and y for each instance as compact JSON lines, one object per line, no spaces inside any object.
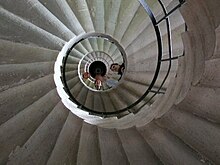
{"x":115,"y":67}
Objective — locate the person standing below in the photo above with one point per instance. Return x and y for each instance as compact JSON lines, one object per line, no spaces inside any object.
{"x":85,"y":75}
{"x":98,"y":79}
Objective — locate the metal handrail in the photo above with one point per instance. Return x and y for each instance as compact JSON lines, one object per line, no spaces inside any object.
{"x":166,"y":18}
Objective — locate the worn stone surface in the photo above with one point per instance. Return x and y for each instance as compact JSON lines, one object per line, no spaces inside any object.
{"x":89,"y":150}
{"x":136,"y":148}
{"x":168,"y":148}
{"x":16,"y":99}
{"x":111,"y":148}
{"x":211,"y":76}
{"x":66,"y":147}
{"x":39,"y":146}
{"x":202,"y":135}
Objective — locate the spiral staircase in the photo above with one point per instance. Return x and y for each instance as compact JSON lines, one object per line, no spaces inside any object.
{"x":164,"y":109}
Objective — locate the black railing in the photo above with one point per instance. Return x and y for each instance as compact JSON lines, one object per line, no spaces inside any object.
{"x":160,"y":60}
{"x":170,"y":58}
